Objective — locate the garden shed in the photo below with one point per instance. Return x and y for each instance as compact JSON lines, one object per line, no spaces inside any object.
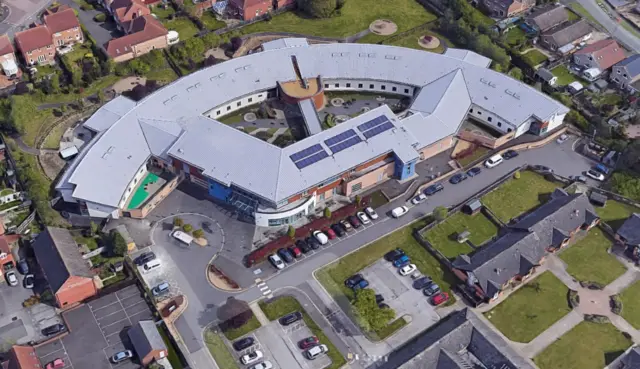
{"x":598,"y":199}
{"x":472,"y":207}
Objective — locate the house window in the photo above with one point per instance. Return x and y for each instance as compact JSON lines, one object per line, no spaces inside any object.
{"x":394,"y":89}
{"x":337,"y":85}
{"x":624,"y":75}
{"x":470,"y":110}
{"x":48,"y":46}
{"x":356,"y":187}
{"x":250,"y":99}
{"x":509,"y":130}
{"x":359,"y":85}
{"x":489,"y":119}
{"x":326,"y":85}
{"x":239,"y":103}
{"x":218,"y":112}
{"x":383,"y":87}
{"x":406,"y":90}
{"x":371,"y":86}
{"x":479,"y":113}
{"x":348,"y":85}
{"x":260,"y":95}
{"x":499,"y":124}
{"x":228,"y":108}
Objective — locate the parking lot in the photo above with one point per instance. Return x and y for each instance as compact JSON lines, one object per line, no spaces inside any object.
{"x":98,"y":330}
{"x":162,"y":274}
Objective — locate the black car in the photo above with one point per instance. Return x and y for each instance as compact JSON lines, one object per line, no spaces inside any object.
{"x":383,"y":306}
{"x":338,"y":229}
{"x":312,"y":242}
{"x":474,"y":171}
{"x":243,"y":343}
{"x":290,"y":318}
{"x":353,"y":280}
{"x":393,"y":254}
{"x":54,"y":329}
{"x":303,"y":246}
{"x":457,"y":178}
{"x":145,"y":257}
{"x":379,"y":299}
{"x":285,"y":255}
{"x":433,"y":189}
{"x":509,"y":154}
{"x":542,"y":168}
{"x":421,"y":283}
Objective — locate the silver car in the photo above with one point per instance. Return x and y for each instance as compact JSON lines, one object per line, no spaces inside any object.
{"x":121,"y":356}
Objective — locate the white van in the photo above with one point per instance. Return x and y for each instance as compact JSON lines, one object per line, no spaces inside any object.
{"x":150,"y":265}
{"x":493,"y":161}
{"x":316,"y":351}
{"x":399,"y":211}
{"x":182,"y":237}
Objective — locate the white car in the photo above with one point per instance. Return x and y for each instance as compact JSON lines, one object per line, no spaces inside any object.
{"x":251,"y":357}
{"x":321,"y":237}
{"x":364,"y":219}
{"x":276,"y":261}
{"x":371,"y":213}
{"x":11,"y":278}
{"x":562,"y":138}
{"x":419,"y":199}
{"x":399,"y":211}
{"x":407,"y":269}
{"x":121,"y":356}
{"x":263,"y":365}
{"x":595,"y":175}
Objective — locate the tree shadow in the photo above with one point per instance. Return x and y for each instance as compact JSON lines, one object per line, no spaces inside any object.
{"x":609,"y":357}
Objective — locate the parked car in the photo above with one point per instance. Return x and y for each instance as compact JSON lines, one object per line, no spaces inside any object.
{"x":55,"y":364}
{"x":53,"y":329}
{"x":161,"y":289}
{"x":542,"y":168}
{"x":595,"y":175}
{"x":308,"y":342}
{"x":457,"y":178}
{"x":581,"y":179}
{"x":399,"y":211}
{"x":11,"y":278}
{"x":407,"y":269}
{"x":393,"y":254}
{"x":364,"y":219}
{"x":337,"y":228}
{"x":303,"y":246}
{"x":243,"y":343}
{"x":353,"y":280}
{"x":316,"y":351}
{"x":312,"y":242}
{"x":290,"y":318}
{"x":354,"y":221}
{"x":419,"y":199}
{"x":440,"y":298}
{"x":321,"y":237}
{"x":121,"y":356}
{"x":28,"y":281}
{"x":144,"y":258}
{"x":330,"y":233}
{"x":562,"y":139}
{"x":474,"y":171}
{"x":383,"y":306}
{"x":431,"y":289}
{"x":295,"y":251}
{"x":493,"y":161}
{"x":285,"y":255}
{"x":421,"y":282}
{"x":251,"y":357}
{"x":509,"y":154}
{"x":346,"y":225}
{"x":401,"y":261}
{"x":276,"y":261}
{"x":433,"y":189}
{"x":371,"y":213}
{"x":263,"y":365}
{"x":602,"y":169}
{"x":379,"y":299}
{"x":23,"y":267}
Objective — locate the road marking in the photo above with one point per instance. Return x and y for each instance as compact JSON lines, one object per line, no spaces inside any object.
{"x":265,"y":293}
{"x":263,"y":287}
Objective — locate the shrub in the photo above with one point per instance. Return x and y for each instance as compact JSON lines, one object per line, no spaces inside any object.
{"x":291,"y":232}
{"x":440,"y":213}
{"x":592,"y":285}
{"x":187,"y":228}
{"x":86,"y":7}
{"x":100,"y":17}
{"x":178,"y":222}
{"x":616,"y":304}
{"x":594,"y":318}
{"x":516,"y":175}
{"x":366,"y":306}
{"x":198,"y":233}
{"x":118,"y":244}
{"x":574,"y":299}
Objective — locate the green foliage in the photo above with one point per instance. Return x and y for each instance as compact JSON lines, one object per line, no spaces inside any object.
{"x":366,"y":306}
{"x":291,"y":232}
{"x":187,"y":228}
{"x":358,"y":199}
{"x":516,"y":73}
{"x":626,"y":185}
{"x":440,"y":213}
{"x":563,"y":98}
{"x":327,"y":213}
{"x":319,"y":8}
{"x":122,"y":69}
{"x":154,"y":59}
{"x":211,"y":40}
{"x":574,"y":117}
{"x":100,"y":17}
{"x":178,"y":222}
{"x":516,"y":175}
{"x":198,"y":233}
{"x":100,"y":95}
{"x":139,"y":67}
{"x":93,"y":229}
{"x":118,"y":244}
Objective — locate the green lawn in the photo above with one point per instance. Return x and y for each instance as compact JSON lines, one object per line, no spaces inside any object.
{"x":534,"y":57}
{"x":185,"y":28}
{"x":479,"y":152}
{"x":164,"y":75}
{"x":163,"y":14}
{"x":250,"y":326}
{"x":614,"y":213}
{"x":219,"y":350}
{"x":91,"y":242}
{"x":410,"y":40}
{"x":443,"y":236}
{"x":586,"y":346}
{"x":531,"y":309}
{"x":53,"y":139}
{"x":377,"y":199}
{"x":564,"y":76}
{"x":287,"y":304}
{"x":515,"y":36}
{"x":356,"y":16}
{"x":587,"y":260}
{"x":79,"y":51}
{"x":571,"y":15}
{"x":211,"y":22}
{"x":630,"y":306}
{"x":517,"y":196}
{"x":172,"y":355}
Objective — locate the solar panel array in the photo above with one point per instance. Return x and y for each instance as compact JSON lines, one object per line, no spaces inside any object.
{"x":343,"y":141}
{"x":373,"y":123}
{"x":308,"y":156}
{"x":377,"y":130}
{"x":375,"y":126}
{"x":341,"y":137}
{"x":345,"y":144}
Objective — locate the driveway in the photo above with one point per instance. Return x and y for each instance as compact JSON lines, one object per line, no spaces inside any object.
{"x":101,"y":32}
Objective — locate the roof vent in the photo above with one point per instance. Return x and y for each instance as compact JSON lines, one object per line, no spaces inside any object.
{"x":181,"y":151}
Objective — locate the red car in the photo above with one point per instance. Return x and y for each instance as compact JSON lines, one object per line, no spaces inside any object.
{"x":56,"y":364}
{"x":440,"y":298}
{"x":330,"y":233}
{"x":308,"y":342}
{"x":295,"y":251}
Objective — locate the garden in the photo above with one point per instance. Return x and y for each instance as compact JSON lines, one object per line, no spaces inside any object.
{"x":565,"y":77}
{"x":630,"y":306}
{"x":534,"y":57}
{"x":531,"y":309}
{"x":443,"y":237}
{"x":615,"y":213}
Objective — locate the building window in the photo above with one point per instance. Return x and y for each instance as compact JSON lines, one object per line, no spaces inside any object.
{"x":239,"y":103}
{"x":479,"y":112}
{"x":490,"y":119}
{"x":359,"y":85}
{"x":337,"y":85}
{"x":326,"y":85}
{"x":371,"y":86}
{"x":356,"y":187}
{"x":499,"y":124}
{"x":218,"y":112}
{"x":260,"y":95}
{"x":509,"y":130}
{"x":394,"y":89}
{"x":406,"y":90}
{"x":471,"y":111}
{"x":383,"y":87}
{"x":228,"y":108}
{"x":348,"y":85}
{"x":250,"y":99}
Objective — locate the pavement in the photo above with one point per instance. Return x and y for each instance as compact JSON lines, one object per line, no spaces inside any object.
{"x":21,"y":13}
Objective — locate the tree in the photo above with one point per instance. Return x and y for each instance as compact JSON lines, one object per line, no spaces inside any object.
{"x":194,"y":48}
{"x":54,"y":83}
{"x":198,"y":233}
{"x":440,"y":213}
{"x":187,"y":228}
{"x":93,"y":229}
{"x":100,"y":96}
{"x":211,"y":40}
{"x":366,"y":306}
{"x":107,"y":67}
{"x":318,"y":8}
{"x":327,"y":213}
{"x":178,"y":222}
{"x":516,"y":175}
{"x":154,"y":59}
{"x":234,"y":314}
{"x":516,"y":73}
{"x":358,"y":200}
{"x":139,"y":67}
{"x":118,"y":244}
{"x":291,"y":232}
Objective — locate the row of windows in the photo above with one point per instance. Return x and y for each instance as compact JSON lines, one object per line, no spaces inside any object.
{"x":371,"y":86}
{"x":489,"y":118}
{"x":238,"y":104}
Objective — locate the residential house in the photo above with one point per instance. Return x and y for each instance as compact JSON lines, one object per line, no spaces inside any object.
{"x":565,"y":35}
{"x":546,"y":76}
{"x":107,"y":3}
{"x":36,"y":45}
{"x":63,"y":25}
{"x":507,"y":8}
{"x":547,"y":17}
{"x":66,"y":271}
{"x":631,"y":360}
{"x":629,"y":235}
{"x":8,"y":58}
{"x":125,"y":11}
{"x":601,"y":54}
{"x":22,"y":357}
{"x":626,"y":72}
{"x":144,"y":34}
{"x":515,"y":255}
{"x":249,"y":9}
{"x":147,"y":342}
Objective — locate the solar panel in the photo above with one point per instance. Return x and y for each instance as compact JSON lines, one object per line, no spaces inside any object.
{"x":377,"y":130}
{"x":341,"y":137}
{"x":306,"y":152}
{"x":311,"y":159}
{"x":372,"y":123}
{"x":345,"y":144}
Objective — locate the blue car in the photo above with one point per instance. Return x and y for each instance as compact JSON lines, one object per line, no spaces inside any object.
{"x":602,"y":169}
{"x":433,"y":189}
{"x":474,"y":171}
{"x":458,"y":178}
{"x":401,"y":261}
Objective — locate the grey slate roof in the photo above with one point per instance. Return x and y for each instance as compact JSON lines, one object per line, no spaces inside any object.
{"x":632,"y":65}
{"x":567,"y":33}
{"x":545,"y":74}
{"x":631,"y":360}
{"x":146,"y":338}
{"x":630,"y":230}
{"x":548,"y":16}
{"x":104,"y":169}
{"x":59,"y":257}
{"x":310,"y":116}
{"x":456,"y":341}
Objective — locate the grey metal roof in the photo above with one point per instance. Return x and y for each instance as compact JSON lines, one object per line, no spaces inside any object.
{"x":468,"y":56}
{"x":632,"y":359}
{"x":284,"y":43}
{"x":104,"y":169}
{"x":630,"y":230}
{"x":567,"y":32}
{"x":146,"y":338}
{"x":109,"y":113}
{"x":59,"y":257}
{"x":310,"y":116}
{"x":548,"y":16}
{"x":632,"y":65}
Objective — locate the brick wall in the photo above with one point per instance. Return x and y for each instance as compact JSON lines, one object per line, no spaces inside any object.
{"x":68,"y":37}
{"x":75,"y":290}
{"x":43,"y":55}
{"x":143,"y":48}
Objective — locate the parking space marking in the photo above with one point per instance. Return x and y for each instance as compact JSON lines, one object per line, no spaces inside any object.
{"x":67,"y":354}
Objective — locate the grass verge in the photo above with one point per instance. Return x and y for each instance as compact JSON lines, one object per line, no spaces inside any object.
{"x":614,"y":213}
{"x":172,"y":354}
{"x":219,"y":350}
{"x":444,"y":236}
{"x":250,"y":326}
{"x":630,"y":307}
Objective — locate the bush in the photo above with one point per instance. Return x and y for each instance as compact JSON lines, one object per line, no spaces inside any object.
{"x":516,"y":175}
{"x":118,"y":243}
{"x":594,"y":318}
{"x":327,"y":213}
{"x":86,"y":7}
{"x":440,"y":213}
{"x":616,"y":304}
{"x":100,"y":17}
{"x":291,"y":232}
{"x":367,"y":308}
{"x":198,"y":233}
{"x":592,"y":285}
{"x":574,"y":299}
{"x":178,"y":222}
{"x":187,"y":228}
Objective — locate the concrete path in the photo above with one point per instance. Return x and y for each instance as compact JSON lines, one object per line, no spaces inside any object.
{"x":259,"y":313}
{"x":622,"y":282}
{"x":624,"y":326}
{"x":24,"y":147}
{"x":551,"y":334}
{"x":558,"y":268}
{"x":279,"y":132}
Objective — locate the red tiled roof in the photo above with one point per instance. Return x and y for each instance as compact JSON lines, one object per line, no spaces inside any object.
{"x":6,"y":47}
{"x":61,"y":20}
{"x":244,"y":4}
{"x":144,"y":28}
{"x":4,"y":246}
{"x":24,"y":357}
{"x":126,"y":10}
{"x":605,"y":52}
{"x":33,"y":38}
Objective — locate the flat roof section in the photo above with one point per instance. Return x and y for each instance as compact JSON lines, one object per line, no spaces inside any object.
{"x":310,"y":116}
